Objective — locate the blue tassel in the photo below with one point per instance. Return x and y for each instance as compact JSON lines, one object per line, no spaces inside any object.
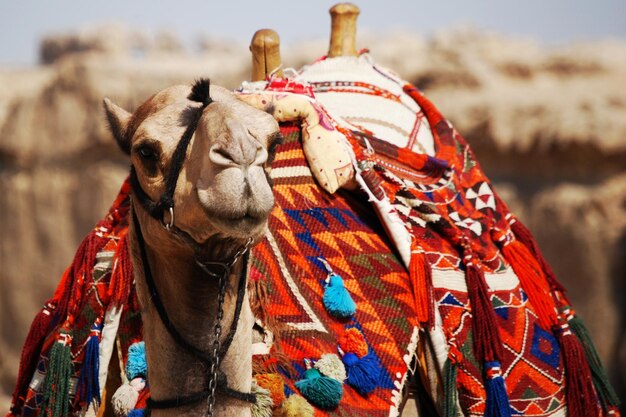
{"x":139,"y":412}
{"x":321,"y":391}
{"x":136,"y":364}
{"x":88,"y":390}
{"x":497,"y":399}
{"x":363,"y":373}
{"x":337,"y":299}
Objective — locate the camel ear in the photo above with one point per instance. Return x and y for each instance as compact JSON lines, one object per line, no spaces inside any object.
{"x":118,"y":122}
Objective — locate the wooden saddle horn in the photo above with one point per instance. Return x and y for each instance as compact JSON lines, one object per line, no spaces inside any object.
{"x":265,"y":48}
{"x":265,"y":44}
{"x":343,"y":30}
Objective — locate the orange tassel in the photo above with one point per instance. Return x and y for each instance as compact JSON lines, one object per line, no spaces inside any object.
{"x":353,"y":341}
{"x":533,"y":282}
{"x":421,"y":279}
{"x":274,"y":384}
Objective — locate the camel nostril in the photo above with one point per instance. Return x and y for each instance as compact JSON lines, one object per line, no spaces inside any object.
{"x":222,"y":156}
{"x":243,"y":156}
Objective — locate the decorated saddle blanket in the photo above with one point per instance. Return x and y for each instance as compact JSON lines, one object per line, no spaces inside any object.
{"x":386,"y":255}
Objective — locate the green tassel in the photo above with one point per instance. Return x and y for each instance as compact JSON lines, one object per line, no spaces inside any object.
{"x":603,"y":387}
{"x":56,"y":390}
{"x":450,"y":392}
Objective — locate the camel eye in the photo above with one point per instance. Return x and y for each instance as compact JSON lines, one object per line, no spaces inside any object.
{"x":147,"y":152}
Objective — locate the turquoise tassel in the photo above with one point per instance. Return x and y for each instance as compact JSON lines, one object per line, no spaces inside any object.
{"x":136,"y":364}
{"x":363,"y":373}
{"x":497,"y":398}
{"x":88,"y":390}
{"x":321,"y":391}
{"x":56,"y":389}
{"x":337,"y":299}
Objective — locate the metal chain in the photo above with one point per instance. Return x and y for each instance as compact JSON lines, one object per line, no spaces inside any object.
{"x":217,"y":331}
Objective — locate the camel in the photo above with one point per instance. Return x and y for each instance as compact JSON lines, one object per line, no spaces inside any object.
{"x":221,"y":202}
{"x":201,"y":201}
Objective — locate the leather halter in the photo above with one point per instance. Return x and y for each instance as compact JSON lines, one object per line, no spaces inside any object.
{"x":216,"y":379}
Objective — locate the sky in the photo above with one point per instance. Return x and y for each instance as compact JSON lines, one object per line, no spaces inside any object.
{"x":24,"y":22}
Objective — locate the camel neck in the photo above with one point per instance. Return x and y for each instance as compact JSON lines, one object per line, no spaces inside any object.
{"x":190,"y":297}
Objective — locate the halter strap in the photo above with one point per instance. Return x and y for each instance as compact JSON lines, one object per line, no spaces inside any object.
{"x":222,"y":383}
{"x":200,"y":92}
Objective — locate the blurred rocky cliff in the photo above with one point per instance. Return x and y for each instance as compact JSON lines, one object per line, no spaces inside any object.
{"x":548,"y":125}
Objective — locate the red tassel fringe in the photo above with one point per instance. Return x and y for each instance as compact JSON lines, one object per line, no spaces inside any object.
{"x":523,"y":235}
{"x":68,"y":296}
{"x":421,"y":279}
{"x":580,"y":395}
{"x":122,"y":274}
{"x":72,"y":298}
{"x":487,"y":344}
{"x":67,"y":299}
{"x":31,"y":350}
{"x":533,"y":282}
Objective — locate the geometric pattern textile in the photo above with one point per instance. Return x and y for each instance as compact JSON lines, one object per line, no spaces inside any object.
{"x":308,"y":224}
{"x":440,"y":199}
{"x":360,"y":95}
{"x":531,"y":365}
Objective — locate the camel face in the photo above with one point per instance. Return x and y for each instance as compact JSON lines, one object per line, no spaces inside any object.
{"x":224,"y":187}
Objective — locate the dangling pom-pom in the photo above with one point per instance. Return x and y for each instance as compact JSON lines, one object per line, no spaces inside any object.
{"x":274,"y":384}
{"x":88,"y":383}
{"x":331,"y":366}
{"x":337,"y":299}
{"x":136,"y":364}
{"x":124,"y":400}
{"x":363,"y":373}
{"x":497,"y":404}
{"x":264,"y":404}
{"x":56,"y":388}
{"x":353,"y":341}
{"x":321,"y":391}
{"x":295,"y":406}
{"x":603,"y":387}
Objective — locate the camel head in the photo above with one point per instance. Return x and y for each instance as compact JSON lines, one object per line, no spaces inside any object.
{"x":223,"y":192}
